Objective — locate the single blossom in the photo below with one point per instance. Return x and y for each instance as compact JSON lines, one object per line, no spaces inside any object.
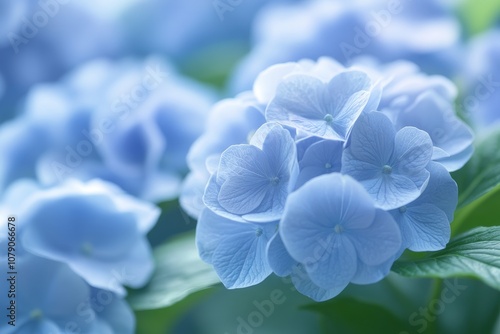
{"x":236,"y":250}
{"x":254,"y":180}
{"x":330,"y":224}
{"x":101,"y":233}
{"x":389,"y":164}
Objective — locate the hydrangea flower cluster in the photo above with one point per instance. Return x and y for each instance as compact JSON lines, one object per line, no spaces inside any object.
{"x":379,"y":28}
{"x":337,"y":173}
{"x":78,"y":245}
{"x":482,"y":79}
{"x":127,"y":122}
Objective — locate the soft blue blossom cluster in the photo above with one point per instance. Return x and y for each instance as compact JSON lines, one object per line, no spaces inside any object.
{"x":77,"y":246}
{"x":326,"y":174}
{"x":128,"y":122}
{"x":345,"y":30}
{"x":482,"y":79}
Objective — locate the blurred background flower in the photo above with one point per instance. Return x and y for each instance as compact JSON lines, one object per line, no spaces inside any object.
{"x":143,"y":98}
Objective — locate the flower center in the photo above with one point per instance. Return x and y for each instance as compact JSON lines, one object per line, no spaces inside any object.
{"x":387,"y":169}
{"x":36,"y":314}
{"x":258,"y":232}
{"x":87,"y":248}
{"x":403,"y":209}
{"x":338,"y":229}
{"x":274,"y":180}
{"x":328,"y":165}
{"x":328,"y":118}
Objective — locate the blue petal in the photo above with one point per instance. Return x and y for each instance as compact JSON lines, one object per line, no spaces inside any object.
{"x":366,"y":274}
{"x":457,"y":161}
{"x":378,"y":242}
{"x":412,"y":151}
{"x":279,"y":259}
{"x":319,"y":221}
{"x":210,"y":198}
{"x":304,"y":285}
{"x":372,"y":140}
{"x":442,"y":190}
{"x":240,"y":258}
{"x":333,"y":267}
{"x":433,"y":114}
{"x":327,"y":111}
{"x":210,"y":229}
{"x":424,"y":227}
{"x":392,"y":191}
{"x":320,"y":158}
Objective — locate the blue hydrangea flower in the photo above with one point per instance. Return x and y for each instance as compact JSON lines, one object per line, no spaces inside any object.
{"x":214,"y":25}
{"x":389,"y":164}
{"x":236,"y":250}
{"x":320,"y":157}
{"x":34,"y":52}
{"x":426,"y":102}
{"x":327,"y":110}
{"x":482,"y":79}
{"x":230,"y":122}
{"x":100,"y":233}
{"x":425,"y":222}
{"x":330,"y":223}
{"x":346,"y":30}
{"x":51,"y":298}
{"x":369,"y":168}
{"x":253,"y":181}
{"x":130,"y":123}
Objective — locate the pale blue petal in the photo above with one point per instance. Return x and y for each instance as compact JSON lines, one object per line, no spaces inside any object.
{"x":240,"y":258}
{"x":279,"y":259}
{"x":299,"y":102}
{"x":243,"y":193}
{"x":372,"y":139}
{"x":210,"y":198}
{"x":210,"y":228}
{"x":442,"y":190}
{"x":392,"y":191}
{"x":304,"y":285}
{"x":238,"y":159}
{"x":413,"y":150}
{"x":378,"y":242}
{"x":332,"y":267}
{"x":366,"y":274}
{"x":425,"y":227}
{"x":320,"y":158}
{"x":458,"y":160}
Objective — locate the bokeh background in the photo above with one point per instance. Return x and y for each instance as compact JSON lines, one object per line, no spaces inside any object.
{"x":152,"y":69}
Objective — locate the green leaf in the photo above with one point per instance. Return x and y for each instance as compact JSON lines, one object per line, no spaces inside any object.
{"x":483,"y":212}
{"x":179,"y":272}
{"x":479,"y":14}
{"x":482,"y":173}
{"x":350,"y":316}
{"x":160,"y":321}
{"x":473,"y":254}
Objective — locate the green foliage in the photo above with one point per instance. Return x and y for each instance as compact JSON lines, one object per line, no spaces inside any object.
{"x":179,"y":272}
{"x":478,"y":15}
{"x":482,"y":173}
{"x":473,"y":254}
{"x":350,"y":316}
